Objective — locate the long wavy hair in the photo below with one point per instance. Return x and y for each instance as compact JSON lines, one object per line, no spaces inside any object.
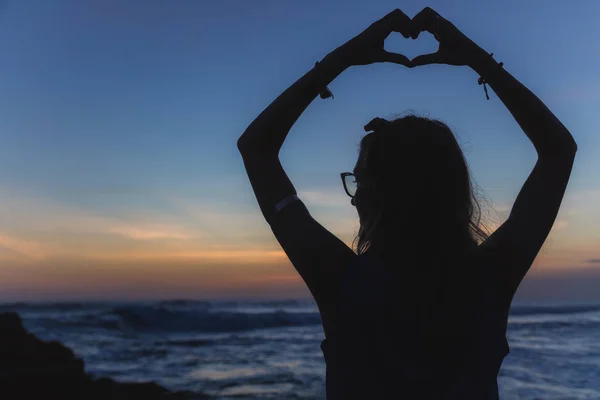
{"x":416,"y":200}
{"x":417,"y":165}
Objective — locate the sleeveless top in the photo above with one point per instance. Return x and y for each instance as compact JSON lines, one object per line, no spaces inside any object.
{"x":375,"y":353}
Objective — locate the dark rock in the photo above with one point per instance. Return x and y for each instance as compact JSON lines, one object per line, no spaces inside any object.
{"x":34,"y":369}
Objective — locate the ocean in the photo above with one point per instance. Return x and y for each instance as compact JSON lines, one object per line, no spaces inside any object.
{"x":270,"y":349}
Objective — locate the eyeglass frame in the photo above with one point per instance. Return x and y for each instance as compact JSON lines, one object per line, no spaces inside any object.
{"x":362,"y":175}
{"x":343,"y":176}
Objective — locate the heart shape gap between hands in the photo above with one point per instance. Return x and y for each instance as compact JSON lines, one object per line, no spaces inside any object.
{"x":411,"y":48}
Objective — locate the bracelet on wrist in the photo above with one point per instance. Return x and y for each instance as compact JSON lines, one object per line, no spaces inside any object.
{"x":325,"y":93}
{"x":483,"y":82}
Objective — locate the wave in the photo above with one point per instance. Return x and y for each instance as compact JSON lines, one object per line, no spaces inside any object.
{"x":174,"y":303}
{"x":204,"y":316}
{"x":56,"y":306}
{"x":184,"y":303}
{"x":157,"y":318}
{"x":549,"y":326}
{"x":188,"y":342}
{"x":537,"y":310}
{"x":168,"y":318}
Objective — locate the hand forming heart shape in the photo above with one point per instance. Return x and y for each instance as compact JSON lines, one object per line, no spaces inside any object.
{"x":368,"y":47}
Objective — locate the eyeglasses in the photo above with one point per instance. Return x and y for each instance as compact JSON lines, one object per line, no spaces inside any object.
{"x":350,"y":184}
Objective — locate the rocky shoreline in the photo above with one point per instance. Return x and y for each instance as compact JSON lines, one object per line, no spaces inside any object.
{"x":34,"y":369}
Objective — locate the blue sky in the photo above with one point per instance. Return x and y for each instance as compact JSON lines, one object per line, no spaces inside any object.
{"x":118,"y":124}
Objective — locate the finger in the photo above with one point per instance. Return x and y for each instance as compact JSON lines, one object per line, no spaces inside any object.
{"x":402,"y":23}
{"x":425,"y":20}
{"x":386,"y":56}
{"x":395,"y":15}
{"x":426,"y":59}
{"x":397,"y":21}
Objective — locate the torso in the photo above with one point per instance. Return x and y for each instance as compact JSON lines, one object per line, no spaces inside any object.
{"x":370,"y":306}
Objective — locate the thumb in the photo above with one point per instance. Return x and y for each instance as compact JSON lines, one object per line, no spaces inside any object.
{"x":386,"y":56}
{"x":425,"y":59}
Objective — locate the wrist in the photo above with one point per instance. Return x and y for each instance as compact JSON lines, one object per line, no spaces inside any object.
{"x":335,"y":61}
{"x":483,"y":63}
{"x":325,"y":71}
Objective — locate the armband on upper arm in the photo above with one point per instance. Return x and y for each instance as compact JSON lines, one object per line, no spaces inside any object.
{"x":280,"y":205}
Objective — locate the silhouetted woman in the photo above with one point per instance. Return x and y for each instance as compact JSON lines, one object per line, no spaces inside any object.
{"x":421,"y":311}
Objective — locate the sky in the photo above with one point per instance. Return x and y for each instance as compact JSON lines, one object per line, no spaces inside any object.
{"x":119,"y":172}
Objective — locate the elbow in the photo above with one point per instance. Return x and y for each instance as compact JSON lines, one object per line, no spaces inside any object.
{"x":571,"y":147}
{"x":241,"y":142}
{"x":240,"y":145}
{"x":246,"y":150}
{"x":247,"y":143}
{"x":251,"y":149}
{"x":249,"y":152}
{"x":243,"y":145}
{"x":559,"y":150}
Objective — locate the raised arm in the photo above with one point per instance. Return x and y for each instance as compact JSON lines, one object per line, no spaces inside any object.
{"x":535,"y":209}
{"x":261,"y":142}
{"x":514,"y":246}
{"x":521,"y":237}
{"x":317,"y":255}
{"x":266,"y":134}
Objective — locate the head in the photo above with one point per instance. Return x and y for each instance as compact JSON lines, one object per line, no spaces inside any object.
{"x":414,"y":187}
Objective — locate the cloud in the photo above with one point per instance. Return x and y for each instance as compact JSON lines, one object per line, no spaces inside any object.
{"x":593,"y":261}
{"x":74,"y":278}
{"x":42,"y":215}
{"x":192,"y":251}
{"x":324,"y":198}
{"x":222,"y":222}
{"x":15,"y":246}
{"x":151,"y":232}
{"x":38,"y":227}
